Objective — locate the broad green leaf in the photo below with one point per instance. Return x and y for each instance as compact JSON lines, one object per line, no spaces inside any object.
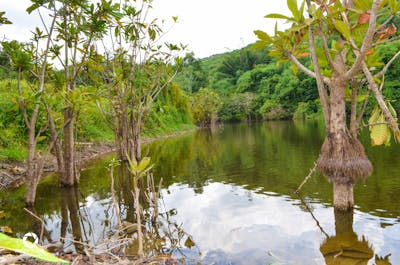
{"x":380,"y":134}
{"x":292,"y":5}
{"x":259,"y":45}
{"x":278,"y":16}
{"x":144,"y":163}
{"x":32,"y":8}
{"x":392,"y":6}
{"x":343,"y":29}
{"x":364,"y":5}
{"x":27,"y":248}
{"x":361,"y":98}
{"x":263,"y":36}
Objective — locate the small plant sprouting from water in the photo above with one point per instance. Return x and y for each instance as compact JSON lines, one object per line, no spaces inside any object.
{"x":139,"y":170}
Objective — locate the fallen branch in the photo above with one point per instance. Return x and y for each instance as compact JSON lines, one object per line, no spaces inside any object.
{"x":41,"y":221}
{"x":312,"y":171}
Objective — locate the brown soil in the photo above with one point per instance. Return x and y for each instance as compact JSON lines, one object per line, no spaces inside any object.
{"x":12,"y":173}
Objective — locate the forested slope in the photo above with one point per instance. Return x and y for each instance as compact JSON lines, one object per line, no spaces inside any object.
{"x":253,"y":85}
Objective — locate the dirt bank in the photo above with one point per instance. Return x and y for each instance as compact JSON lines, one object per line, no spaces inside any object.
{"x":12,"y":173}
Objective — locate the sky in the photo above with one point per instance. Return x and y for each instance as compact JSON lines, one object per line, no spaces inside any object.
{"x":208,"y":27}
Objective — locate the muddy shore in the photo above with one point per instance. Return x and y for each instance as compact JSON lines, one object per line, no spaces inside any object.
{"x":12,"y":173}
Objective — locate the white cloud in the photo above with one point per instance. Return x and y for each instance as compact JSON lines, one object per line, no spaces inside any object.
{"x":207,"y":27}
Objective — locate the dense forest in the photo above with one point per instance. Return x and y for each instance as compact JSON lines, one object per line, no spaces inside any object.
{"x":251,"y":85}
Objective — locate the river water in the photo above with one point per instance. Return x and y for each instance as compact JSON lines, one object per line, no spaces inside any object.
{"x":227,"y":198}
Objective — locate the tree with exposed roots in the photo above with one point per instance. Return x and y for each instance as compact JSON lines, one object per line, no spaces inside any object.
{"x":341,"y":38}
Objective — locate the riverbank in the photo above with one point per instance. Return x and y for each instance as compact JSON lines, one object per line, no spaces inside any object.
{"x":12,"y":173}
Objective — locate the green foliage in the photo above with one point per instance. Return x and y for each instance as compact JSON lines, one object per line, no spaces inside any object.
{"x":238,"y":107}
{"x":27,"y":248}
{"x":380,"y":132}
{"x":307,"y":110}
{"x":272,"y":110}
{"x":205,"y":106}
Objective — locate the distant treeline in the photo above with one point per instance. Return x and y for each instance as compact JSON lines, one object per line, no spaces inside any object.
{"x":252,"y":85}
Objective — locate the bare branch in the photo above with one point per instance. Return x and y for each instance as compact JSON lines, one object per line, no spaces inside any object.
{"x":366,"y":45}
{"x":326,"y":47}
{"x":389,"y":40}
{"x":387,"y":66}
{"x":305,"y":70}
{"x":381,"y":102}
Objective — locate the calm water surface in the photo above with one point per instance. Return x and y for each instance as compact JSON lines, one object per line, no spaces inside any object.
{"x":227,"y":198}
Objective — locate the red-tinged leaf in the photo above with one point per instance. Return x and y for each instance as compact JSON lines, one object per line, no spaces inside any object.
{"x":391,"y":30}
{"x":370,"y":52}
{"x":302,"y":55}
{"x":363,"y":18}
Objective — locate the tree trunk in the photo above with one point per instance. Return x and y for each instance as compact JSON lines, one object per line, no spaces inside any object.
{"x":342,"y":157}
{"x":343,"y":198}
{"x":136,"y":140}
{"x":57,"y":143}
{"x":31,"y":172}
{"x":68,"y":179}
{"x":31,"y":188}
{"x":138,"y":220}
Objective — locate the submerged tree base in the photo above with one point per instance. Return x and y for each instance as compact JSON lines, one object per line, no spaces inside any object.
{"x":343,"y":159}
{"x":343,"y":197}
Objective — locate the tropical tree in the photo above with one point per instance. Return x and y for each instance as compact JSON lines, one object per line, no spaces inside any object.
{"x":341,"y":38}
{"x":192,"y":76}
{"x":205,"y":106}
{"x":77,"y":24}
{"x":137,"y":67}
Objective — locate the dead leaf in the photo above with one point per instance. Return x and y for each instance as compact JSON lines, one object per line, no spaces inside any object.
{"x":6,"y":229}
{"x":363,"y":18}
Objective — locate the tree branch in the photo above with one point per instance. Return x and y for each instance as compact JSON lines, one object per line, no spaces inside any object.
{"x":386,"y":68}
{"x":326,"y":47}
{"x":367,"y":43}
{"x":305,"y":70}
{"x":381,"y":102}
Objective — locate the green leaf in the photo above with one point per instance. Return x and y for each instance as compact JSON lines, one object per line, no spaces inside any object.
{"x":258,"y":45}
{"x":278,"y":16}
{"x":361,"y":98}
{"x":32,"y":8}
{"x":392,"y":6}
{"x":391,"y":109}
{"x":144,"y":163}
{"x":374,"y":116}
{"x":343,"y":29}
{"x":28,"y":248}
{"x":263,"y":36}
{"x":292,"y":4}
{"x":380,"y":134}
{"x":295,"y":69}
{"x":364,"y":5}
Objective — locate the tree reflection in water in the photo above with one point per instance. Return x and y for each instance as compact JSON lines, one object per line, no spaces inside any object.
{"x":163,"y":238}
{"x":70,"y":217}
{"x":346,"y":247}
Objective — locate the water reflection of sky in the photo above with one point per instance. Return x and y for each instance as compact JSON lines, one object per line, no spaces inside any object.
{"x":232,"y":225}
